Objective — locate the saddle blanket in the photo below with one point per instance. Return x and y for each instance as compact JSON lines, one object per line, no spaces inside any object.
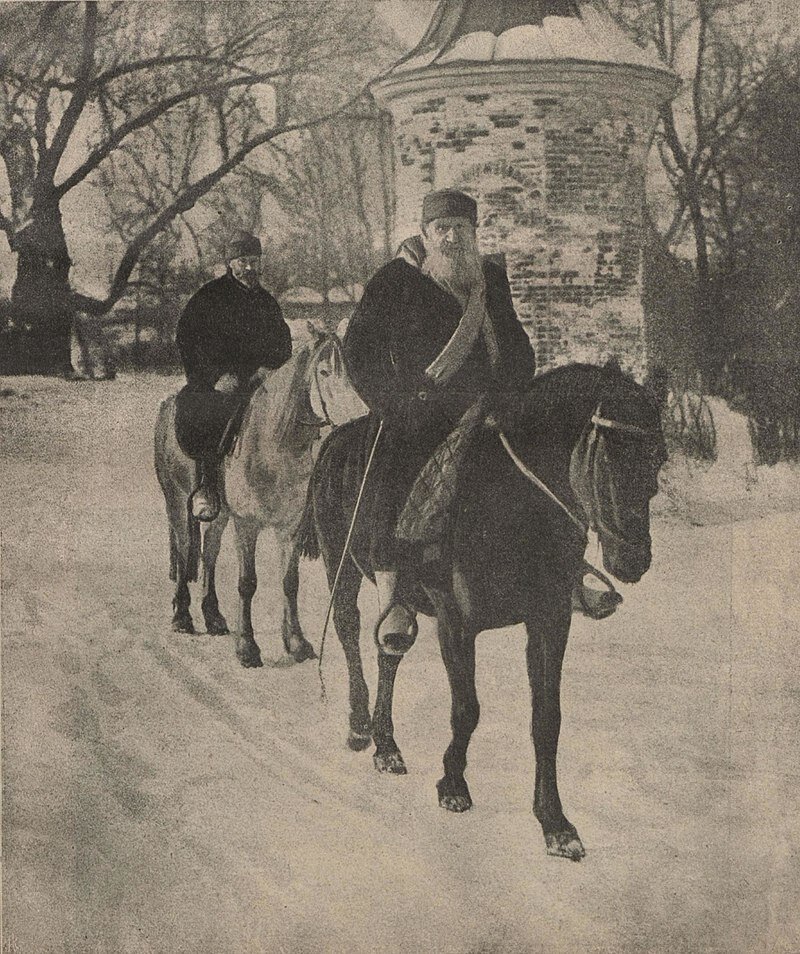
{"x":425,"y":516}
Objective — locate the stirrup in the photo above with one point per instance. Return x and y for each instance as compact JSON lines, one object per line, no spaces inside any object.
{"x":593,"y":603}
{"x":396,"y":643}
{"x":204,"y":505}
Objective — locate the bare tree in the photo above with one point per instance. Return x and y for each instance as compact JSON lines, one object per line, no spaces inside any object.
{"x":333,"y":185}
{"x":723,"y":63}
{"x":116,"y":93}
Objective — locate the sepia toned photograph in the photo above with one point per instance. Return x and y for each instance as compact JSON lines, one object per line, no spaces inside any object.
{"x":400,"y":476}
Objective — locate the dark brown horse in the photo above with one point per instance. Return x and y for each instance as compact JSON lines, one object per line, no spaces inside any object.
{"x":594,"y":437}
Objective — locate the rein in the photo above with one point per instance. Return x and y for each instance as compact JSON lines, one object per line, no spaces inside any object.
{"x":538,"y":482}
{"x":597,"y":421}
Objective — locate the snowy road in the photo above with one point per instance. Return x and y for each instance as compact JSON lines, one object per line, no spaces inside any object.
{"x":159,"y":798}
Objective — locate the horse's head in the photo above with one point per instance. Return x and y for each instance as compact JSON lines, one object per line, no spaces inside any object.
{"x":614,"y":474}
{"x":333,"y":398}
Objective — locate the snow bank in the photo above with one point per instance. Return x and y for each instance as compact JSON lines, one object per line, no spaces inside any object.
{"x":733,"y":487}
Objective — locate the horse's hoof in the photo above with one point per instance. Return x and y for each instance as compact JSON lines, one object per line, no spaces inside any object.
{"x":565,"y":844}
{"x":358,"y":741}
{"x":250,"y":657}
{"x":303,"y":652}
{"x":454,"y":795}
{"x":182,"y":624}
{"x":216,"y":626}
{"x":391,"y":763}
{"x":455,"y":803}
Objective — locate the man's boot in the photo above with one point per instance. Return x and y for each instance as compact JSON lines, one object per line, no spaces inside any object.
{"x":205,"y":502}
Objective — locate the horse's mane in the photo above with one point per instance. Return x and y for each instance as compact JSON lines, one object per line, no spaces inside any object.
{"x":295,"y":407}
{"x":560,"y":398}
{"x":557,"y":394}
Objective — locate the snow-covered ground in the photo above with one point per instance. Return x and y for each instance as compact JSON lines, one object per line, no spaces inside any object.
{"x":159,"y":798}
{"x":733,"y":487}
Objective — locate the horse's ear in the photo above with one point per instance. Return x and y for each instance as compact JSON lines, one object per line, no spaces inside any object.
{"x":612,"y":364}
{"x":312,"y":329}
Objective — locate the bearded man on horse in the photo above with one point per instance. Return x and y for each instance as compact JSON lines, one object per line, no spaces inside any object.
{"x":231,"y":326}
{"x":434,"y":336}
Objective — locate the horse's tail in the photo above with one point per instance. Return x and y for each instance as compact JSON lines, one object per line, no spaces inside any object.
{"x":193,"y":555}
{"x":306,"y":538}
{"x":173,"y":556}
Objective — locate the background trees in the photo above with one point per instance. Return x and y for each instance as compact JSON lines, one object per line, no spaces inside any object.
{"x":153,"y":105}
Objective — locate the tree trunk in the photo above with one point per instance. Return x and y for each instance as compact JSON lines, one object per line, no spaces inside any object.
{"x":41,"y":297}
{"x":707,"y":331}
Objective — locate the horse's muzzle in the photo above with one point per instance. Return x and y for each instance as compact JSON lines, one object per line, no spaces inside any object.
{"x":627,"y":562}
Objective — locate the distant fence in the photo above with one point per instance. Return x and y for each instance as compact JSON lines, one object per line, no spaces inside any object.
{"x":769,"y":394}
{"x":145,"y":341}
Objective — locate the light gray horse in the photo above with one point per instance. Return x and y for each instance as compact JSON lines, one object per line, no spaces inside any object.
{"x":264,"y":481}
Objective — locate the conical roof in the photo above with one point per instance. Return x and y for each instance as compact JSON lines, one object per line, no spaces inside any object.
{"x":486,"y":31}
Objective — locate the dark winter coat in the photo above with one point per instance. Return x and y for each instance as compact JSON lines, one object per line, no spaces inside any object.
{"x":227,"y":328}
{"x":402,"y":323}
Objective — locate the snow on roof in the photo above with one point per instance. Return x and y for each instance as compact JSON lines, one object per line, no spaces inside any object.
{"x":469,"y":31}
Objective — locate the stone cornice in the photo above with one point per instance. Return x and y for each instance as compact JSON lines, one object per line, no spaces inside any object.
{"x":641,"y":85}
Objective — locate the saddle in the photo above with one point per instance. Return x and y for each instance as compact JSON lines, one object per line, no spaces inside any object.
{"x":207,"y":423}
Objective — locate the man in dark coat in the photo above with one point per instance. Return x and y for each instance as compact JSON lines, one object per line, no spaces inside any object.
{"x":231,"y":326}
{"x":435,"y":331}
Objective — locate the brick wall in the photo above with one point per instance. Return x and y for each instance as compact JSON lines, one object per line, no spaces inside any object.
{"x":559,"y":177}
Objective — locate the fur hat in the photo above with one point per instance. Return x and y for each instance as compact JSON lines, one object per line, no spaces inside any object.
{"x":241,"y":244}
{"x":449,"y":202}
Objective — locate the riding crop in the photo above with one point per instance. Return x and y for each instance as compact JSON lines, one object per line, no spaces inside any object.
{"x":345,"y":549}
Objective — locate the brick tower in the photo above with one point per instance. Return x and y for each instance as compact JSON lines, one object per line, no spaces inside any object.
{"x":544,"y":111}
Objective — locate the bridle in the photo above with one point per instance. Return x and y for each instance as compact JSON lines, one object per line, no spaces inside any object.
{"x":593,"y":519}
{"x":597,"y":421}
{"x":612,"y":425}
{"x":325,"y":420}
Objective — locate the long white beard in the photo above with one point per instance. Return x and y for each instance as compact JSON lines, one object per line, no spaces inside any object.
{"x":456,"y":272}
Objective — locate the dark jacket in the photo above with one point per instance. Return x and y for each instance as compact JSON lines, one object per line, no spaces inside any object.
{"x":403,"y":322}
{"x":227,"y":328}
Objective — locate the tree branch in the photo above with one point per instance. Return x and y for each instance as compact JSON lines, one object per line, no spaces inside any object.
{"x":186,"y":201}
{"x":49,"y":162}
{"x":145,"y":119}
{"x":124,"y":69}
{"x":697,"y":85}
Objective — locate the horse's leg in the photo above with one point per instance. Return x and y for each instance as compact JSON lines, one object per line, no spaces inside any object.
{"x":212,"y":540}
{"x":458,"y":652}
{"x":387,"y":757}
{"x":347,"y":622}
{"x":294,"y":642}
{"x":548,"y":629}
{"x":246,"y":538}
{"x":331,"y":536}
{"x":180,"y":557}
